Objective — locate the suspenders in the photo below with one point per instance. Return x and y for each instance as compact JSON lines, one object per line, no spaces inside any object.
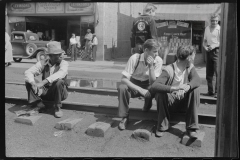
{"x":139,"y":56}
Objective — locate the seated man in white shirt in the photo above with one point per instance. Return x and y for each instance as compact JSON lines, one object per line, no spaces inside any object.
{"x":141,"y":71}
{"x":54,"y":75}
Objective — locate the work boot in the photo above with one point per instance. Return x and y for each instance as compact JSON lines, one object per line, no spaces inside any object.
{"x":39,"y":107}
{"x":123,"y":124}
{"x":58,"y":112}
{"x":192,"y":133}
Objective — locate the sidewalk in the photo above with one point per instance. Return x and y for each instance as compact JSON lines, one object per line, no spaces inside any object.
{"x":116,"y":66}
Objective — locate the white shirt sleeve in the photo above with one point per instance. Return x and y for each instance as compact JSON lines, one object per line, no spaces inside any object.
{"x":128,"y":71}
{"x":95,"y":41}
{"x":61,"y":73}
{"x":33,"y":72}
{"x":158,"y":66}
{"x":73,"y":41}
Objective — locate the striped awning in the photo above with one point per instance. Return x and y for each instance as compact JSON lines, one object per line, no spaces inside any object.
{"x":187,"y":12}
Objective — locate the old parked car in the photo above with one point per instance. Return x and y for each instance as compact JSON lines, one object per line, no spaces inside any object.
{"x":26,"y":45}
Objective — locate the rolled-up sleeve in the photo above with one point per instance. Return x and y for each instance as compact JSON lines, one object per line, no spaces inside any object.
{"x":33,"y":72}
{"x":61,"y":73}
{"x":158,"y":66}
{"x":128,"y":71}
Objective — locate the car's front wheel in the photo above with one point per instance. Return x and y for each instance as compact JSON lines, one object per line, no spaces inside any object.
{"x":17,"y":59}
{"x":41,"y":56}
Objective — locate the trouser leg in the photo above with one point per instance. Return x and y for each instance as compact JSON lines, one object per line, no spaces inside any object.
{"x":57,"y":92}
{"x":209,"y":71}
{"x":192,"y":103}
{"x":32,"y":97}
{"x":162,"y":100}
{"x":94,"y":52}
{"x":215,"y":65}
{"x":124,"y":95}
{"x":73,"y":51}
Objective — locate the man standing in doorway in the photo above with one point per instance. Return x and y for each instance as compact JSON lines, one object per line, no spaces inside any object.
{"x":211,"y":45}
{"x":94,"y":47}
{"x":88,"y":37}
{"x":72,"y":45}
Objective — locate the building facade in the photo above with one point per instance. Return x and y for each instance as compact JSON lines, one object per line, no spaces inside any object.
{"x":111,"y":22}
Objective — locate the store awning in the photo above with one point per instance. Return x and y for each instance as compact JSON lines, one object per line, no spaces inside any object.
{"x":187,"y":12}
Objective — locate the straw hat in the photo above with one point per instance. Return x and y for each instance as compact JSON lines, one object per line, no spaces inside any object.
{"x":54,"y":47}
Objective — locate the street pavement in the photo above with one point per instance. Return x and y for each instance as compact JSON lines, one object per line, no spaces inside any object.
{"x":39,"y":140}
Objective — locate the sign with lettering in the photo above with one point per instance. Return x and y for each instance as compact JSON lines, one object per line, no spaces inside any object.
{"x":83,"y":8}
{"x":175,"y":34}
{"x":22,"y":8}
{"x":49,"y":8}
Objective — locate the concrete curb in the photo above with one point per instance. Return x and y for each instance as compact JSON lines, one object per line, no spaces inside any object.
{"x":205,"y":119}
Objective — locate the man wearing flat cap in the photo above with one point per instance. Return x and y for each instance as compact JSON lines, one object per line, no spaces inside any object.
{"x":53,"y":86}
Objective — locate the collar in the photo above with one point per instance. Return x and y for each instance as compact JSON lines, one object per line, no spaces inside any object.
{"x":49,"y":64}
{"x":217,"y":28}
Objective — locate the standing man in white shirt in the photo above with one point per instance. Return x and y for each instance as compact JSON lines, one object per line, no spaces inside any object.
{"x":211,"y":45}
{"x":54,"y":80}
{"x":141,"y":71}
{"x":73,"y":46}
{"x":88,"y":37}
{"x":94,"y":47}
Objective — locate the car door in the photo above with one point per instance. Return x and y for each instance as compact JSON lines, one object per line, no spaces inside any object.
{"x":18,"y":44}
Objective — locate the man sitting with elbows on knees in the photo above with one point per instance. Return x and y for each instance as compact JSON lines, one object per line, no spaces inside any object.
{"x":177,"y":88}
{"x":141,"y":71}
{"x":54,"y":80}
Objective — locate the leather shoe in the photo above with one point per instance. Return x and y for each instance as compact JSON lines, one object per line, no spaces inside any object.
{"x":39,"y":107}
{"x":58,"y":113}
{"x":192,"y":133}
{"x":159,"y":133}
{"x":147,"y":104}
{"x":123,"y":124}
{"x":215,"y":95}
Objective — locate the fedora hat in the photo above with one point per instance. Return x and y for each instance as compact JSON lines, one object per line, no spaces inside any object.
{"x":54,"y":47}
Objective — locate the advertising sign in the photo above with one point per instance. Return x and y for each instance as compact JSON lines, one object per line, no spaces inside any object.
{"x":49,"y":8}
{"x":83,"y":8}
{"x":21,"y":8}
{"x":174,"y":34}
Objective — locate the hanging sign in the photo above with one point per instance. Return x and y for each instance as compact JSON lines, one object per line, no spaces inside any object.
{"x":83,"y":8}
{"x":21,"y":8}
{"x":49,"y":8}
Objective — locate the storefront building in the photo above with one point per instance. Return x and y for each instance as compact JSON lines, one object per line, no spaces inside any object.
{"x":51,"y":21}
{"x":112,"y":22}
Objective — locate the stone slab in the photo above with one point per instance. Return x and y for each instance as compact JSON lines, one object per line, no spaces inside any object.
{"x":29,"y":120}
{"x":67,"y":124}
{"x":186,"y":140}
{"x":98,"y":129}
{"x":144,"y":131}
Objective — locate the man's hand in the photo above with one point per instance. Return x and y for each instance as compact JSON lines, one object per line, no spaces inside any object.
{"x":179,"y":94}
{"x":143,"y":92}
{"x":185,"y":87}
{"x":40,"y":85}
{"x":150,"y":61}
{"x":147,"y":95}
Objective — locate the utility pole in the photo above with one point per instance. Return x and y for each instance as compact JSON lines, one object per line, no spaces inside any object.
{"x":226,"y":136}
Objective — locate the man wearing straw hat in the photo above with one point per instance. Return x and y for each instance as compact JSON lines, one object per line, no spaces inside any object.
{"x":53,"y":86}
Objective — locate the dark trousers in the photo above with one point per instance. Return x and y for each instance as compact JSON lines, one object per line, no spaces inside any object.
{"x":125,"y":93}
{"x":211,"y":68}
{"x":57,"y":92}
{"x":94,"y":50}
{"x":167,"y":102}
{"x":74,"y":52}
